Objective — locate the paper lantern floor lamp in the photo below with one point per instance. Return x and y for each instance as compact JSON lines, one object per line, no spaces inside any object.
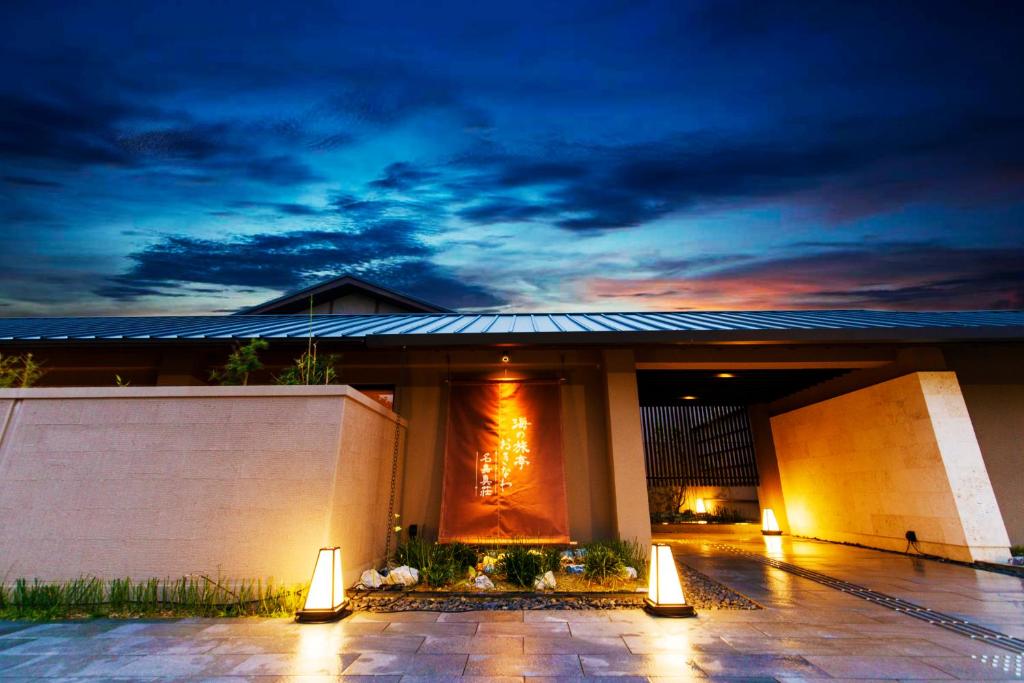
{"x":325,"y":600}
{"x":664,"y":592}
{"x":769,"y":527}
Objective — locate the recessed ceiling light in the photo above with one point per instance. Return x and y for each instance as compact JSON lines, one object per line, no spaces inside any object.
{"x":724,"y":375}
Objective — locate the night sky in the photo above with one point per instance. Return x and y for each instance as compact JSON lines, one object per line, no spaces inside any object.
{"x":179,"y":157}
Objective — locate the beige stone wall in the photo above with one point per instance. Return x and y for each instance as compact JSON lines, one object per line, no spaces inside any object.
{"x":244,"y":482}
{"x":867,"y":466}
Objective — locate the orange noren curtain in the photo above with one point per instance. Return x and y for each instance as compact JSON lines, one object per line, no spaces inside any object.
{"x":503,"y":473}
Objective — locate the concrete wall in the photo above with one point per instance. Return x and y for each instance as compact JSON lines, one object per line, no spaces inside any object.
{"x":992,"y":379}
{"x":997,"y":412}
{"x":244,"y":482}
{"x":867,"y":466}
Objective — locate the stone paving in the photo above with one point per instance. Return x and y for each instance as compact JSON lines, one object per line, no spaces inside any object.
{"x":806,"y":631}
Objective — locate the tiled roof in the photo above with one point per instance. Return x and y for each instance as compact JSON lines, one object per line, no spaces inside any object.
{"x":486,"y":328}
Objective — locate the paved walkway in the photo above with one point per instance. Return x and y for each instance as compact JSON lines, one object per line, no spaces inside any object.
{"x":806,"y":632}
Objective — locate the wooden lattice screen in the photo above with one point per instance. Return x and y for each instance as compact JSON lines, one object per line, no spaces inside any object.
{"x":696,"y":445}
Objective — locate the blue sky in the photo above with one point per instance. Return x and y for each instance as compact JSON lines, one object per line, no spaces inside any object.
{"x":200,"y":157}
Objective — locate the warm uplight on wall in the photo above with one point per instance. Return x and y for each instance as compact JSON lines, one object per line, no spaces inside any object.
{"x":725,"y":375}
{"x":664,"y":592}
{"x":769,"y":526}
{"x":325,"y":600}
{"x":689,"y":398}
{"x":699,"y":507}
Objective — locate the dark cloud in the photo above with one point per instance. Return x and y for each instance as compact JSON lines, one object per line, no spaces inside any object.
{"x":389,"y":250}
{"x":25,"y":181}
{"x":825,"y":163}
{"x":79,"y":131}
{"x":403,"y":176}
{"x":68,"y":131}
{"x":284,"y":208}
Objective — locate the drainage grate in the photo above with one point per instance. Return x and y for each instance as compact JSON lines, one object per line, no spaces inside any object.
{"x":950,"y":623}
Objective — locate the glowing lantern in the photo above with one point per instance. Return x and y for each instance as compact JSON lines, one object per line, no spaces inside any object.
{"x":325,"y":600}
{"x":769,"y":527}
{"x":664,"y":592}
{"x":700,"y":508}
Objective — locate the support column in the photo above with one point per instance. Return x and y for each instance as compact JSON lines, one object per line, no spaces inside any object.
{"x":626,"y":447}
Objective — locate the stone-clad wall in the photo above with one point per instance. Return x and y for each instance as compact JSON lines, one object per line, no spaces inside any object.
{"x":244,"y":482}
{"x":901,"y":455}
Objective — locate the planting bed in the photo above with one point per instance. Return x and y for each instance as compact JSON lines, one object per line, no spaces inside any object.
{"x":701,"y":591}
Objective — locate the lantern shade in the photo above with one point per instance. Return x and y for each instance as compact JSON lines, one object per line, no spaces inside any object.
{"x":769,"y":526}
{"x":664,"y":592}
{"x":699,"y":507}
{"x":325,"y":600}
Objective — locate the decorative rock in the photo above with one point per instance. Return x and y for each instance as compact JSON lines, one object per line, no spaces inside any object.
{"x":404,"y":576}
{"x":628,"y":573}
{"x":545,"y":582}
{"x":575,"y":568}
{"x":371,"y":579}
{"x":483,"y":583}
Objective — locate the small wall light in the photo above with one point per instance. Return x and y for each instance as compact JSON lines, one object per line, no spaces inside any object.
{"x":664,"y":592}
{"x":325,"y":600}
{"x":769,"y":527}
{"x":689,"y":398}
{"x":505,"y":359}
{"x":725,"y":375}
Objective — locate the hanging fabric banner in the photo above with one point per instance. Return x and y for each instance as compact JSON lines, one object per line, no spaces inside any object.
{"x":503,"y":474}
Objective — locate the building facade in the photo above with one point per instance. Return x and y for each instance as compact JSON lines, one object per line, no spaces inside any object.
{"x":852,"y":426}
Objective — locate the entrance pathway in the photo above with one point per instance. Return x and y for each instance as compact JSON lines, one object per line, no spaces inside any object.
{"x":806,"y":631}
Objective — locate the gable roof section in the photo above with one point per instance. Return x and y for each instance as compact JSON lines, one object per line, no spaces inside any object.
{"x":537,"y":328}
{"x":298,"y":302}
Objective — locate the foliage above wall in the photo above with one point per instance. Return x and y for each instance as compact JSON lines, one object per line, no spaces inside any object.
{"x":19,"y":372}
{"x":242,"y":362}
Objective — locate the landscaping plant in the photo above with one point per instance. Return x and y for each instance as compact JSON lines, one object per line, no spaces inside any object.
{"x":521,"y":565}
{"x":601,"y":563}
{"x":241,"y":362}
{"x":310,"y":369}
{"x":19,"y":372}
{"x":188,"y":596}
{"x":631,"y":553}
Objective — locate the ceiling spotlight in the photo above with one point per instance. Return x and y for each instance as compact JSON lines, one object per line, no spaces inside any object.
{"x":689,"y":398}
{"x":725,"y":375}
{"x":505,"y":359}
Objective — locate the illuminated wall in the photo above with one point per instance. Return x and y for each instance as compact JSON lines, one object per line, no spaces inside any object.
{"x":244,"y":482}
{"x":901,"y":455}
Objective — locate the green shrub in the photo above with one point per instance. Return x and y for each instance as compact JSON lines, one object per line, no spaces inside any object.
{"x":415,"y":553}
{"x":241,"y":362}
{"x":19,"y":372}
{"x":521,"y":566}
{"x":439,"y":565}
{"x":310,"y":369}
{"x":631,"y":553}
{"x":1017,"y":550}
{"x":601,"y":563}
{"x":442,"y":567}
{"x":551,"y":559}
{"x":464,"y":556}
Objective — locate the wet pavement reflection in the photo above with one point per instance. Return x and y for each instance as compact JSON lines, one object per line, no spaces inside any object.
{"x":805,"y":631}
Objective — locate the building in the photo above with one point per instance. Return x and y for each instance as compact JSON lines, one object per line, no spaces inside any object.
{"x":853,"y":426}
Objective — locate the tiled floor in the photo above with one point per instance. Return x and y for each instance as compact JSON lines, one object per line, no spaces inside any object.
{"x":806,"y":632}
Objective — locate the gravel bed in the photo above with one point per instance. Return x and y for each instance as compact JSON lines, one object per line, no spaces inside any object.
{"x":701,"y":591}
